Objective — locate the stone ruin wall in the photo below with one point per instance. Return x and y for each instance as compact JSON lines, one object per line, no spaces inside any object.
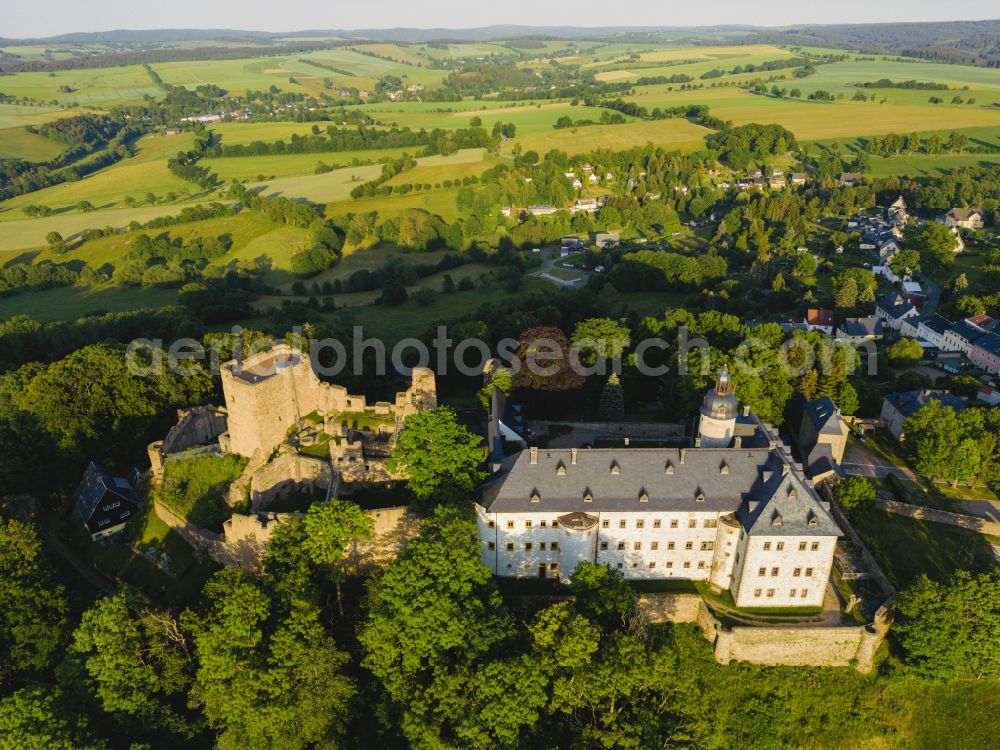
{"x":261,"y":413}
{"x":196,"y":426}
{"x":286,"y":474}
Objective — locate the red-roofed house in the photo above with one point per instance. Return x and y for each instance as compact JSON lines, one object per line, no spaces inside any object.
{"x":820,"y":320}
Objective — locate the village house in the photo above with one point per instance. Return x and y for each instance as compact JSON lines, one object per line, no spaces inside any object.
{"x":854,"y":331}
{"x":585,"y":204}
{"x":105,"y":502}
{"x":798,"y":178}
{"x":893,"y":308}
{"x":985,"y":353}
{"x":848,"y":179}
{"x":964,"y":218}
{"x":931,"y":329}
{"x":819,"y":320}
{"x":607,"y":239}
{"x":961,"y":337}
{"x":896,"y":407}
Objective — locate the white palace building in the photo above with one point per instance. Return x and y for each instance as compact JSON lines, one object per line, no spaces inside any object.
{"x":735,"y":511}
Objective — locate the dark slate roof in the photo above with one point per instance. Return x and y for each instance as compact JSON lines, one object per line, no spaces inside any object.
{"x":790,"y":509}
{"x":862,"y":327}
{"x":967,"y":331}
{"x":824,"y":416}
{"x":937,"y":323}
{"x":909,"y":402}
{"x":96,"y":484}
{"x":990,"y":342}
{"x":722,"y":480}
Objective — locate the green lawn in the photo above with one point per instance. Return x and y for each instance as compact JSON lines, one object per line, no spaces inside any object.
{"x":907,"y":547}
{"x":70,"y":303}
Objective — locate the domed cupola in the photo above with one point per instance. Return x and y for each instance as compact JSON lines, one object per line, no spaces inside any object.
{"x":718,"y":414}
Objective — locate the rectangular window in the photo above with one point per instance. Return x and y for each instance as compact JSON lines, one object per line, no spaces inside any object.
{"x":640,"y":524}
{"x":637,"y":546}
{"x":527,"y":546}
{"x":492,"y":524}
{"x":809,"y":572}
{"x":555,"y":524}
{"x":652,"y":565}
{"x":781,"y":546}
{"x":654,"y":545}
{"x":707,"y":545}
{"x":554,"y":546}
{"x":490,"y":546}
{"x":621,"y":545}
{"x":510,"y":546}
{"x":527,"y":524}
{"x":701,"y":564}
{"x":605,"y":524}
{"x":553,"y":566}
{"x":770,"y":593}
{"x":688,"y":545}
{"x":814,"y":547}
{"x":774,"y":571}
{"x":797,"y":572}
{"x":687,"y":563}
{"x":657,"y":523}
{"x":711,"y":523}
{"x":802,"y":546}
{"x":671,"y":545}
{"x":767,"y":546}
{"x":673,"y":524}
{"x":670,"y":564}
{"x":510,"y":524}
{"x":604,"y":545}
{"x":805,"y":593}
{"x":621,"y":524}
{"x":542,"y":524}
{"x":693,"y":523}
{"x":758,"y":592}
{"x":791,"y":594}
{"x":762,"y":572}
{"x":541,"y":546}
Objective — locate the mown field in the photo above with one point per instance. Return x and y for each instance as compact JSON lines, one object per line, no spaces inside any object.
{"x":97,"y":87}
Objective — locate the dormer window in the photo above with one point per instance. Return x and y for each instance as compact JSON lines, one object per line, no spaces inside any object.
{"x":724,"y":468}
{"x":615,"y":468}
{"x":643,"y":496}
{"x":699,"y":496}
{"x":669,"y":470}
{"x":561,"y":469}
{"x":792,"y":493}
{"x":776,"y":519}
{"x":812,"y":518}
{"x":588,"y":496}
{"x":535,"y":497}
{"x":722,"y":411}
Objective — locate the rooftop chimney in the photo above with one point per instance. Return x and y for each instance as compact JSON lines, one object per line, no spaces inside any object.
{"x":697,"y":442}
{"x":683,"y":454}
{"x":534,"y":455}
{"x":572,"y":456}
{"x":738,"y":441}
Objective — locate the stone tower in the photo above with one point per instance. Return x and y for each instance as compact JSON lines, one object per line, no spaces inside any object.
{"x":717,"y":423}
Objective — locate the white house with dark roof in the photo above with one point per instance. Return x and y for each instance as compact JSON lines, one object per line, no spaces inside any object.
{"x":104,"y":502}
{"x":742,"y":518}
{"x":964,"y":218}
{"x":892,"y":309}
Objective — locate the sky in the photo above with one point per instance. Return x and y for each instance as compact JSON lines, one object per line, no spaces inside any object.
{"x":50,"y":17}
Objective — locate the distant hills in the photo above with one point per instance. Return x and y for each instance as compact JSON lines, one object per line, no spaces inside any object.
{"x":967,"y":42}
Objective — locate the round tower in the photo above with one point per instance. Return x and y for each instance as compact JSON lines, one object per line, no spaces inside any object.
{"x":717,"y":423}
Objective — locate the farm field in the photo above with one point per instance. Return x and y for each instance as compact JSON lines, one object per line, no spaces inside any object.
{"x":95,"y":87}
{"x":72,"y":302}
{"x":337,"y":185}
{"x":676,"y":133}
{"x":141,"y":174}
{"x":16,"y":143}
{"x":287,"y":165}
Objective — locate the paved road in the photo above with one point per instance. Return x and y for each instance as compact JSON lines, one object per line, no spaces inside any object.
{"x":859,"y":462}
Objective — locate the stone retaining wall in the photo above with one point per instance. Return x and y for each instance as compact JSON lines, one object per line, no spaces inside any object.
{"x":989,"y":528}
{"x":791,"y":645}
